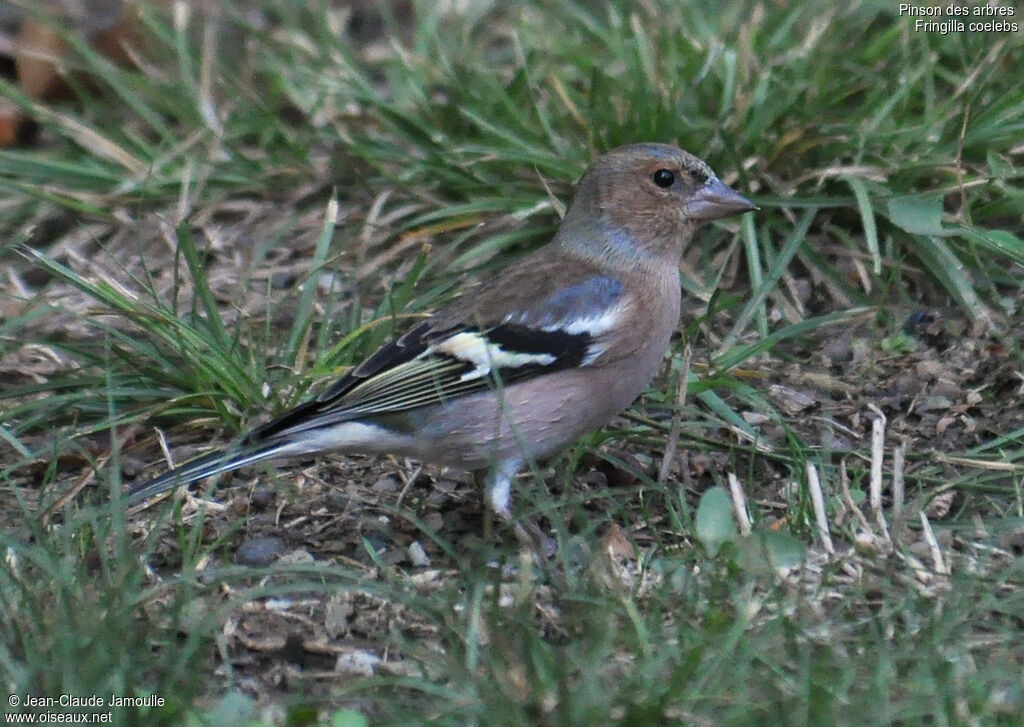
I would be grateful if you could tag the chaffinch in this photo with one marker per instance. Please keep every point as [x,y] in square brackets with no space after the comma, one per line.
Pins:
[528,360]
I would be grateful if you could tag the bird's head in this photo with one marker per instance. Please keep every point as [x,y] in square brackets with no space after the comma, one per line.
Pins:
[645,200]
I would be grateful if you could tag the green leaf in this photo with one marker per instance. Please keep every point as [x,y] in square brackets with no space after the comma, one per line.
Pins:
[766,551]
[770,281]
[203,291]
[947,268]
[1000,242]
[736,356]
[867,215]
[715,523]
[917,215]
[349,718]
[234,708]
[998,166]
[304,313]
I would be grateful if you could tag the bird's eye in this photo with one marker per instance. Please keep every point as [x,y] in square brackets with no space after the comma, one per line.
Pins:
[664,178]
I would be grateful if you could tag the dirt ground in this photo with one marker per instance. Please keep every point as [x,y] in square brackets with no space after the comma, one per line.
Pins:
[946,385]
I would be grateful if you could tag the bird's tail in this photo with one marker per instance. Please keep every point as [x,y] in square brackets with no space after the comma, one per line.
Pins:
[215,463]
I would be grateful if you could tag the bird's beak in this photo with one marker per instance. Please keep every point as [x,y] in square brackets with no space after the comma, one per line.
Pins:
[714,200]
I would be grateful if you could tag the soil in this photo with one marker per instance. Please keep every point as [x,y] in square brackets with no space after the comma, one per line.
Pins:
[946,386]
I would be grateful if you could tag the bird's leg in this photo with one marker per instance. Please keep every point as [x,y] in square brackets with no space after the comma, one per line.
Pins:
[498,491]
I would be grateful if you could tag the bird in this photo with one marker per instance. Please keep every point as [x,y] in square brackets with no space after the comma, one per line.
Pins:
[526,360]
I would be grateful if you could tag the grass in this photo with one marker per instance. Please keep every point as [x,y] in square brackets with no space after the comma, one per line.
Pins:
[203,241]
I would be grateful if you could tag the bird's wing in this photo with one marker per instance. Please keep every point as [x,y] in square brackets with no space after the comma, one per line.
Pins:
[474,346]
[495,336]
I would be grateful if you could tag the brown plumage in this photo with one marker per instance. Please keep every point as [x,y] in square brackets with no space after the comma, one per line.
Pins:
[531,357]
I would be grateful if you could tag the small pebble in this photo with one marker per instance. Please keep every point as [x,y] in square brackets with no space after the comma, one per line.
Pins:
[377,540]
[446,485]
[262,498]
[417,555]
[337,500]
[260,551]
[282,279]
[297,557]
[434,521]
[385,485]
